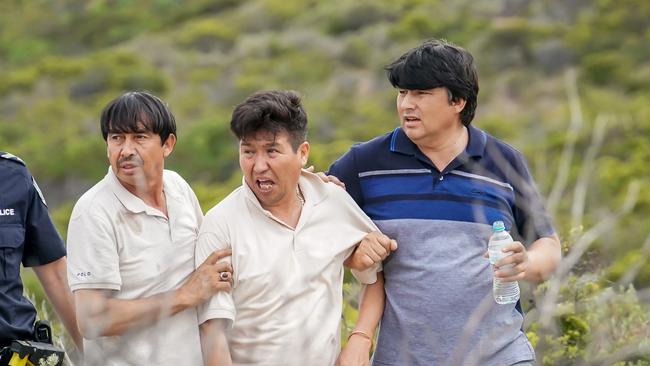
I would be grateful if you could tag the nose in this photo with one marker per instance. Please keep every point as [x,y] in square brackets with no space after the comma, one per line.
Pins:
[405,101]
[128,148]
[259,163]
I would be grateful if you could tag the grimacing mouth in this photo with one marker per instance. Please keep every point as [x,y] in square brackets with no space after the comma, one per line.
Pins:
[264,184]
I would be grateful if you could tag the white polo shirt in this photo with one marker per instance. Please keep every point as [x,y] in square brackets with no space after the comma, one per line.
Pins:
[117,242]
[287,297]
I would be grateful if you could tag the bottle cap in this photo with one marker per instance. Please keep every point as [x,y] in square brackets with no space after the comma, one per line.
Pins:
[498,226]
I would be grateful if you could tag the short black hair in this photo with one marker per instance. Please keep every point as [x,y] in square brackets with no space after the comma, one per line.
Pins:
[273,111]
[436,63]
[133,110]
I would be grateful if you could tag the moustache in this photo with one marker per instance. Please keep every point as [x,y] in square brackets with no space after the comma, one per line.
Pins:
[130,159]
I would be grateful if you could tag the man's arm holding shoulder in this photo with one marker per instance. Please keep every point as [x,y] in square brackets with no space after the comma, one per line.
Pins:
[100,314]
[53,278]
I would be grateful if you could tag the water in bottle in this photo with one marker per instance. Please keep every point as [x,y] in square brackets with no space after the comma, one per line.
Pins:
[504,292]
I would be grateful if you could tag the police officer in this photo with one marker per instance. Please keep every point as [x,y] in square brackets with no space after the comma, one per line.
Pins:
[27,235]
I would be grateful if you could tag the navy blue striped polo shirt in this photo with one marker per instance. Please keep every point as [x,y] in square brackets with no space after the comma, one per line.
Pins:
[439,307]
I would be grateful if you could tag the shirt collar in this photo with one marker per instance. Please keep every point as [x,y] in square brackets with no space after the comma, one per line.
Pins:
[312,188]
[400,143]
[130,201]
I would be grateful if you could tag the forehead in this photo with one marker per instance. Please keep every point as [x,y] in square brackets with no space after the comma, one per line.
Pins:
[266,138]
[130,127]
[424,89]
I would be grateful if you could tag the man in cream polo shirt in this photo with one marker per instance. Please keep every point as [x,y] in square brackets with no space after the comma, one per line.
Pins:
[290,234]
[131,242]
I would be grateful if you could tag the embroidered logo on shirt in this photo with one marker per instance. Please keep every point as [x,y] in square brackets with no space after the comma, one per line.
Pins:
[7,212]
[83,274]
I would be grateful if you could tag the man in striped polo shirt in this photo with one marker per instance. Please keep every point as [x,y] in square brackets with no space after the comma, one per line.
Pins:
[436,184]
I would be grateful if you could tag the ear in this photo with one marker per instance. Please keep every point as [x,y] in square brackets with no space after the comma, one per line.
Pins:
[168,145]
[303,150]
[458,104]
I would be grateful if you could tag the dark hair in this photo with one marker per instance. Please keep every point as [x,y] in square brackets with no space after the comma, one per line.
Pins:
[273,111]
[436,63]
[133,110]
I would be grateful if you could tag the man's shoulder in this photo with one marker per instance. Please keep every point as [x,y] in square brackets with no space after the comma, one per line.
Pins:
[175,180]
[502,160]
[12,165]
[95,199]
[499,148]
[172,176]
[332,191]
[378,144]
[226,208]
[363,154]
[5,156]
[331,198]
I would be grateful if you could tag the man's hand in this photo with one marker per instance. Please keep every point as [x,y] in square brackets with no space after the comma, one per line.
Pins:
[208,279]
[372,249]
[355,353]
[326,178]
[534,264]
[518,260]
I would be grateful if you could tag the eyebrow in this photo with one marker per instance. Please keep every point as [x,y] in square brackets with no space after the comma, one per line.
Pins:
[140,127]
[268,144]
[139,131]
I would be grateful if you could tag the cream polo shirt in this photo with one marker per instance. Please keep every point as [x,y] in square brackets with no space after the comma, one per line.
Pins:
[117,242]
[287,297]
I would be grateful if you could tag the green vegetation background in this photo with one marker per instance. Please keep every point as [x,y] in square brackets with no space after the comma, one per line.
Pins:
[62,61]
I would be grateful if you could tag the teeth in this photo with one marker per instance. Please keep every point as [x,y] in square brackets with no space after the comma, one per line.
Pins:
[266,185]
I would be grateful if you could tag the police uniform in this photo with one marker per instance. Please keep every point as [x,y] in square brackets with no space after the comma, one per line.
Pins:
[27,235]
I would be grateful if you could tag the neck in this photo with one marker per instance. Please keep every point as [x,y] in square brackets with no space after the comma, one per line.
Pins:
[443,148]
[289,211]
[151,192]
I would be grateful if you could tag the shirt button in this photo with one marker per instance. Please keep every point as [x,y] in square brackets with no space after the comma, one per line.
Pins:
[441,178]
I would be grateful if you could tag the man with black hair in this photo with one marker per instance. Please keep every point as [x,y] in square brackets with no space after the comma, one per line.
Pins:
[290,235]
[436,184]
[131,242]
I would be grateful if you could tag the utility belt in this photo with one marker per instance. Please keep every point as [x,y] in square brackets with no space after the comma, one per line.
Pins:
[39,352]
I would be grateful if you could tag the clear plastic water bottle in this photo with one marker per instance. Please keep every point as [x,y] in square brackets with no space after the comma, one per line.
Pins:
[504,292]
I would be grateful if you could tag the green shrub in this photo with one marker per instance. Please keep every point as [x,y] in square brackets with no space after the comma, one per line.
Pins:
[208,34]
[593,322]
[59,67]
[22,79]
[280,12]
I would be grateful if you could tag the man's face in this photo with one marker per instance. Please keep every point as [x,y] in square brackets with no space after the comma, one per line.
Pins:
[271,167]
[427,113]
[137,158]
